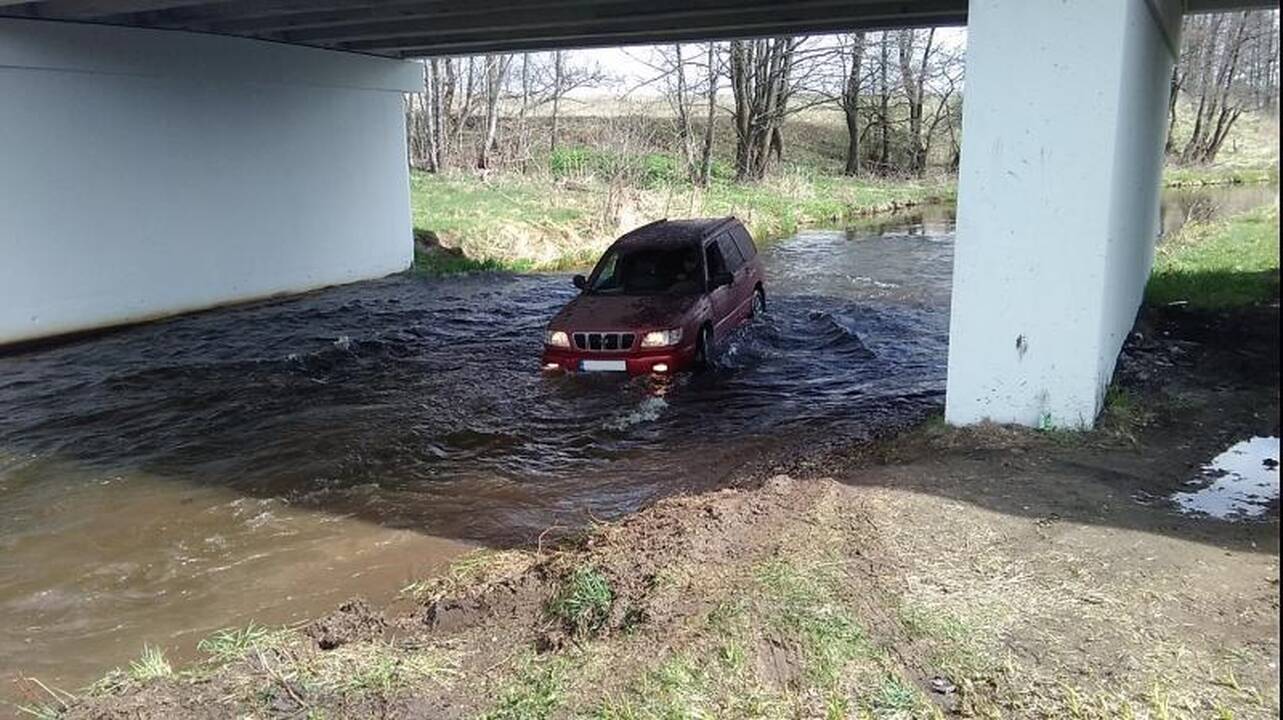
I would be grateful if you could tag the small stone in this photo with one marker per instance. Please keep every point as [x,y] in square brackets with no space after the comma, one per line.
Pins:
[943,685]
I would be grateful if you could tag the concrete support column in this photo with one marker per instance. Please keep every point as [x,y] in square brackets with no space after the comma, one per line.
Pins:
[149,172]
[1063,131]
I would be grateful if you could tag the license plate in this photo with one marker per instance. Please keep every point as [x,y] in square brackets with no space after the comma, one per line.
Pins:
[603,366]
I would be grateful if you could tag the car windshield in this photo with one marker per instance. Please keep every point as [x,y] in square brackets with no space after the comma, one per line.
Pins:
[648,271]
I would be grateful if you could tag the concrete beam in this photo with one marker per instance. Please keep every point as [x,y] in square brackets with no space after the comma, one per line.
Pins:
[148,173]
[475,26]
[1063,127]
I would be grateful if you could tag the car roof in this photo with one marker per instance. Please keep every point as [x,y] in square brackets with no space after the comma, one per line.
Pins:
[672,233]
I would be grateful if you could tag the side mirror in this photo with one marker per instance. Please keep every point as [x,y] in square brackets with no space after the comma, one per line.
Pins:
[580,282]
[722,279]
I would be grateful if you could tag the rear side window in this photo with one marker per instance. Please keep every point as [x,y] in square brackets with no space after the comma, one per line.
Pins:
[745,244]
[714,260]
[730,251]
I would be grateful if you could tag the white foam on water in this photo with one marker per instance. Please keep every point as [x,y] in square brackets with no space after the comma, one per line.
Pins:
[648,411]
[860,279]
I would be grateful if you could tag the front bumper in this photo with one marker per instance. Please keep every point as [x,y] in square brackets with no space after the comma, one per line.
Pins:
[640,363]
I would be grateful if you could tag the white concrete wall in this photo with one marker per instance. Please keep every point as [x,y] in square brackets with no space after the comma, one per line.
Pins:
[1057,202]
[1152,41]
[145,173]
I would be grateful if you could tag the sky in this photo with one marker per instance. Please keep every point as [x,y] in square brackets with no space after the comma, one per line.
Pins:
[629,64]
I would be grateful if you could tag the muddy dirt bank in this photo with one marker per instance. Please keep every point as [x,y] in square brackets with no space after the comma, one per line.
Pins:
[991,572]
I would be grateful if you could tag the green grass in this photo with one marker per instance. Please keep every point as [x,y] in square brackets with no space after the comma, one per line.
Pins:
[1221,264]
[232,644]
[377,669]
[958,650]
[54,705]
[564,219]
[803,603]
[41,711]
[690,686]
[439,263]
[151,665]
[1201,175]
[802,196]
[469,572]
[583,602]
[535,693]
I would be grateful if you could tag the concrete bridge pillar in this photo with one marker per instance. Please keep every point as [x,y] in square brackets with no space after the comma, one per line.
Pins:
[149,172]
[1063,127]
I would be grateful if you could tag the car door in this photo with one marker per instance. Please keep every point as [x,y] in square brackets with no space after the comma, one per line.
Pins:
[721,299]
[752,264]
[742,288]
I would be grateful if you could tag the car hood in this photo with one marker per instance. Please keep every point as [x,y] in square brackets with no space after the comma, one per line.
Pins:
[623,312]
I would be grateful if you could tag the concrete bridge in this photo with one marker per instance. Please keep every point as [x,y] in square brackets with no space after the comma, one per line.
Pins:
[161,156]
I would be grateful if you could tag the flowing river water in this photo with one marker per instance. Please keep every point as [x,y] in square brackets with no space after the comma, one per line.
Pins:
[262,463]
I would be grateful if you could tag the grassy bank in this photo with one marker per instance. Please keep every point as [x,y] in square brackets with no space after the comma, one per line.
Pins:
[1220,174]
[521,223]
[560,221]
[1219,264]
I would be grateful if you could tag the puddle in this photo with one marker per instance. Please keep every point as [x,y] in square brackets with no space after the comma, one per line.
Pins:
[1238,484]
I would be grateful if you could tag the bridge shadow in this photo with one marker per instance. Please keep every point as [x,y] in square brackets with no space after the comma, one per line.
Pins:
[1189,385]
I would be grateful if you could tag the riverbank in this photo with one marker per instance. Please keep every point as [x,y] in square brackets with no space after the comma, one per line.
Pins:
[548,222]
[1221,263]
[518,223]
[987,572]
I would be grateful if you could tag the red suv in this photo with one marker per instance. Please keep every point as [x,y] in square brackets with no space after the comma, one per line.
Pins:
[661,299]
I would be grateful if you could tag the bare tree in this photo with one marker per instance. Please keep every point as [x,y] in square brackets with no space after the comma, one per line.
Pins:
[1228,64]
[688,80]
[761,83]
[496,74]
[850,100]
[913,80]
[680,102]
[710,118]
[564,79]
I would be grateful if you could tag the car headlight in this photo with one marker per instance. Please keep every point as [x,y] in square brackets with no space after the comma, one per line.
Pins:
[661,338]
[556,338]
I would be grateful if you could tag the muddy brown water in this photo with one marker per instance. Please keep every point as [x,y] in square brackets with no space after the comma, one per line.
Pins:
[1181,205]
[262,463]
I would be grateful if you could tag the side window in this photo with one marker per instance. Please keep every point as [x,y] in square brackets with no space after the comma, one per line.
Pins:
[734,261]
[714,261]
[745,243]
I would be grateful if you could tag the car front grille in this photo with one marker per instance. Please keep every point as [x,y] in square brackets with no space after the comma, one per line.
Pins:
[605,341]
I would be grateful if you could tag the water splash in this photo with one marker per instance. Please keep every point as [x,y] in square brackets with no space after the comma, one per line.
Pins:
[648,411]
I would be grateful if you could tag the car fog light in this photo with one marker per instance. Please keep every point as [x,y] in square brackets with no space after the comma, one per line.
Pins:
[660,367]
[551,366]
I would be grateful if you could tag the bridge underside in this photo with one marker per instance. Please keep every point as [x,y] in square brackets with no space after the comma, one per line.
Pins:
[148,172]
[408,28]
